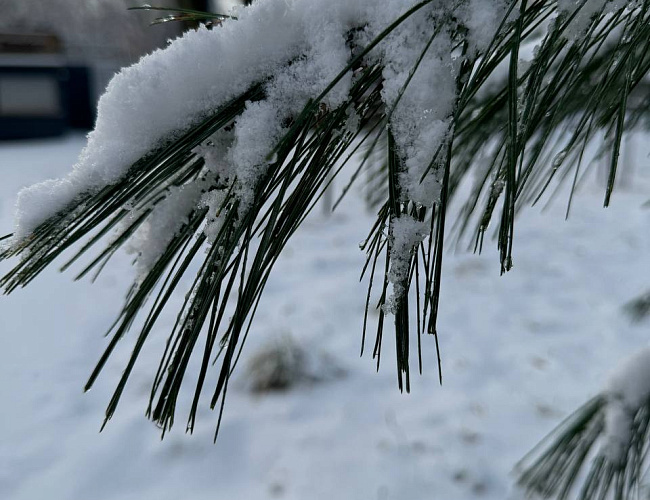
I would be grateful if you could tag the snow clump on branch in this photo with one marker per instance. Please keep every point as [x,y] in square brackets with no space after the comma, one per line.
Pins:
[628,389]
[294,49]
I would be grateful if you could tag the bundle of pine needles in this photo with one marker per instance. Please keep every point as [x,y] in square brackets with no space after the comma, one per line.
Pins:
[522,127]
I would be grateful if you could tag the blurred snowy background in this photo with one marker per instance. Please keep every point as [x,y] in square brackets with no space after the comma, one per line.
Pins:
[519,352]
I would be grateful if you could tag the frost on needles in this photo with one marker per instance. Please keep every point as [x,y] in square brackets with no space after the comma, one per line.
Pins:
[294,49]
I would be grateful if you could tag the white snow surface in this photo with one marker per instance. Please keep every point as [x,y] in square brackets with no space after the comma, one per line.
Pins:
[519,351]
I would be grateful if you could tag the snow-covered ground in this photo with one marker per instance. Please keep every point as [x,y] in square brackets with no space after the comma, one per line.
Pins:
[519,353]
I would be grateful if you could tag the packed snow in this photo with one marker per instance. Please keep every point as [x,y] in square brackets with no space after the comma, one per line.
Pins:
[520,352]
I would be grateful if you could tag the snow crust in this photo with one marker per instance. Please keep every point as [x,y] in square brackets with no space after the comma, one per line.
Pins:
[627,390]
[297,48]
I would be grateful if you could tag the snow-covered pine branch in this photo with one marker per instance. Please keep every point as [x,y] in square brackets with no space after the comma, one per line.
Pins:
[608,436]
[216,148]
[295,50]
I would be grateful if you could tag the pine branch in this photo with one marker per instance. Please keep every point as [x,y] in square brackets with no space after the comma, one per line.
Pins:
[183,15]
[576,459]
[505,124]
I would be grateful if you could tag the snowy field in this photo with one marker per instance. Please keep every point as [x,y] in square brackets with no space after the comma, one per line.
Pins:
[519,353]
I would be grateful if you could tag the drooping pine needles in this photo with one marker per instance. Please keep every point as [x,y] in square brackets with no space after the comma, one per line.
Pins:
[573,461]
[520,126]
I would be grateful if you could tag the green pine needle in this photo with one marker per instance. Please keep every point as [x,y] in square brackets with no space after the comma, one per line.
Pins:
[523,131]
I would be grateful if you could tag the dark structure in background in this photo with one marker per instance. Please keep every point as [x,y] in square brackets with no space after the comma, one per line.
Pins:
[43,94]
[33,87]
[49,85]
